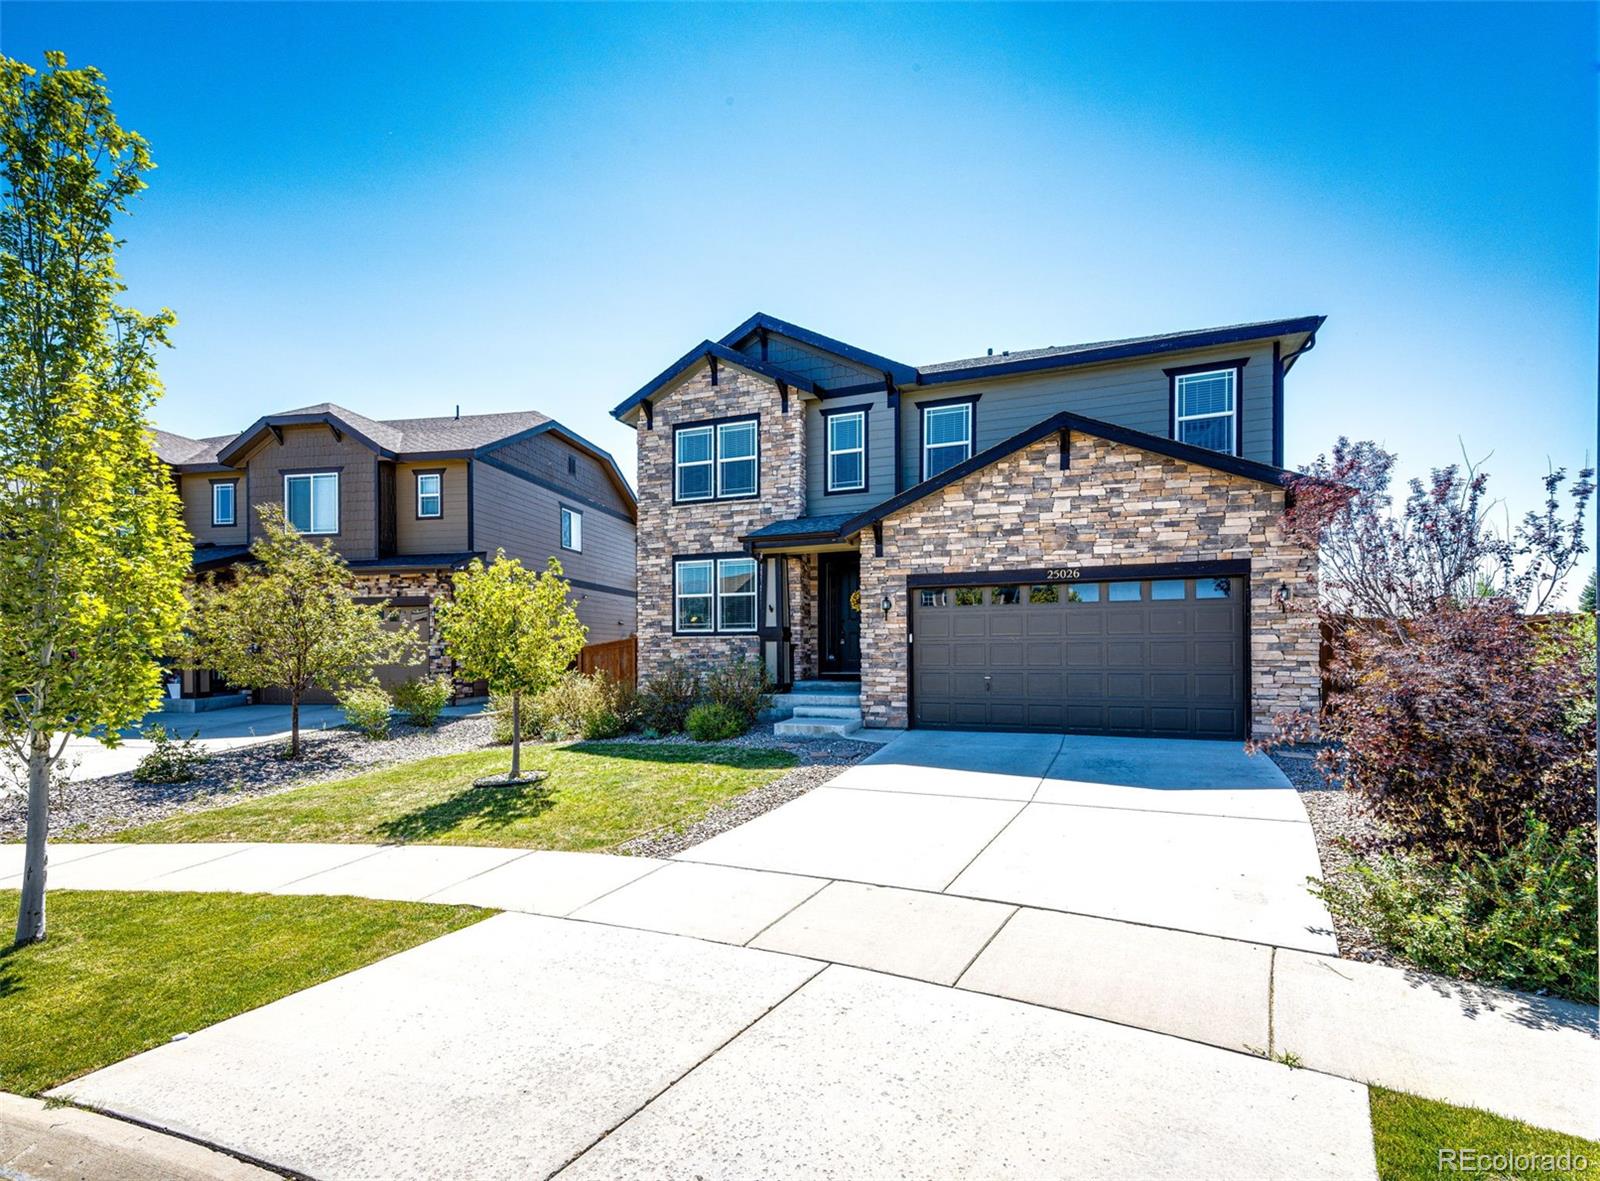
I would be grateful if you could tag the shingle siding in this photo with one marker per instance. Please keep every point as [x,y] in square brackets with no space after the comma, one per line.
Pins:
[441,535]
[195,491]
[313,448]
[545,457]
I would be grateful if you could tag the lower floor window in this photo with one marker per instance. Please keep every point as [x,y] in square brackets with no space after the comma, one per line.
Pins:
[714,595]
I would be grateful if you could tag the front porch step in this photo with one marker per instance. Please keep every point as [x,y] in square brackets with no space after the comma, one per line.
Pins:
[835,688]
[817,727]
[815,700]
[843,712]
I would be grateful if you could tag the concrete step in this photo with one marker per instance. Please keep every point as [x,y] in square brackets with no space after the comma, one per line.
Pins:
[816,728]
[838,713]
[799,700]
[847,688]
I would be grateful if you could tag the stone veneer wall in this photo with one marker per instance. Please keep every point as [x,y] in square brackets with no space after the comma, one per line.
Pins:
[667,530]
[1115,504]
[803,614]
[434,585]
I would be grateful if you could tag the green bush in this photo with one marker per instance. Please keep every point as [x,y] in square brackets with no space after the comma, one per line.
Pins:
[500,718]
[714,722]
[583,706]
[366,707]
[667,698]
[171,760]
[741,686]
[422,699]
[1525,918]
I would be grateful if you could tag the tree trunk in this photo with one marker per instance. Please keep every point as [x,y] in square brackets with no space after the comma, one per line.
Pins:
[294,724]
[516,736]
[30,915]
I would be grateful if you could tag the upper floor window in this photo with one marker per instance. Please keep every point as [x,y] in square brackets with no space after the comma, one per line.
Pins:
[847,450]
[1205,409]
[224,506]
[311,501]
[571,529]
[430,494]
[946,437]
[716,461]
[714,595]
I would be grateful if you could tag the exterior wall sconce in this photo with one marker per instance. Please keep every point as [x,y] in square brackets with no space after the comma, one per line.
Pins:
[886,604]
[1282,595]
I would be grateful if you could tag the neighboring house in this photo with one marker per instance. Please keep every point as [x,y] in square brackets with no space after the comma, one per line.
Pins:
[1081,538]
[408,502]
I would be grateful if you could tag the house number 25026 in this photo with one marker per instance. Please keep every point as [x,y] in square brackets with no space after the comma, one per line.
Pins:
[1062,573]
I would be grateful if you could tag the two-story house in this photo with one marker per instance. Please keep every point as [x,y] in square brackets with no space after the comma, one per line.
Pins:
[1082,538]
[408,502]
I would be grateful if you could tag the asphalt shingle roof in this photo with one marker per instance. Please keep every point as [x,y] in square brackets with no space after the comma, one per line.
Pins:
[1068,350]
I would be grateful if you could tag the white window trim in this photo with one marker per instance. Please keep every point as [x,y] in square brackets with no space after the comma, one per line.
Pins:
[1232,415]
[678,596]
[831,451]
[233,503]
[678,464]
[754,458]
[753,594]
[575,532]
[311,502]
[966,409]
[437,494]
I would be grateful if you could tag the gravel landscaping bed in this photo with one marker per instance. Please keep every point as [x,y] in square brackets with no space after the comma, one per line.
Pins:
[820,760]
[1335,820]
[95,807]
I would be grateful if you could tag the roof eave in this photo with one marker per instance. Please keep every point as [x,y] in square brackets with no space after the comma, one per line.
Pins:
[702,351]
[899,370]
[248,437]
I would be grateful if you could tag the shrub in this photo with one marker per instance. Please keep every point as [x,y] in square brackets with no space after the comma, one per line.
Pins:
[588,707]
[715,722]
[422,699]
[500,718]
[667,697]
[170,760]
[741,686]
[366,707]
[1525,919]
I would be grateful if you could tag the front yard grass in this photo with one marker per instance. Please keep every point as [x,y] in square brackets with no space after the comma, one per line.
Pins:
[1408,1132]
[121,972]
[596,795]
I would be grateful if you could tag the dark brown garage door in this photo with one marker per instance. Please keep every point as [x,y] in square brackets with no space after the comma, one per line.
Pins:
[1162,657]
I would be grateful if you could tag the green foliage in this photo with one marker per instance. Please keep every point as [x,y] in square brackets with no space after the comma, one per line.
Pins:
[715,722]
[1586,596]
[741,686]
[666,698]
[367,708]
[92,548]
[580,706]
[171,759]
[1525,919]
[291,619]
[422,699]
[500,719]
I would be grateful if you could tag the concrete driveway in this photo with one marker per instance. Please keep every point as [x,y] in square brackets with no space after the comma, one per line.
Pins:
[1196,836]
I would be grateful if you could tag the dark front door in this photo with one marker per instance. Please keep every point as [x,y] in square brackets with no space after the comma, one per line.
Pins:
[838,579]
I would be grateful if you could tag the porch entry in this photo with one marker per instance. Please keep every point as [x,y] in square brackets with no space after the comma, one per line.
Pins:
[839,615]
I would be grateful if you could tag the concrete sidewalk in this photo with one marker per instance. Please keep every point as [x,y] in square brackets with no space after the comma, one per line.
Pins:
[1531,1058]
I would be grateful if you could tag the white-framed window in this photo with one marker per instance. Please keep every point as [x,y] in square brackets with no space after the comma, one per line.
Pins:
[946,437]
[1205,409]
[847,451]
[714,595]
[694,462]
[224,504]
[311,501]
[694,598]
[736,459]
[430,494]
[571,529]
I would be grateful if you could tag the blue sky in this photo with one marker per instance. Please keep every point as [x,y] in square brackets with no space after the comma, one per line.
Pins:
[403,208]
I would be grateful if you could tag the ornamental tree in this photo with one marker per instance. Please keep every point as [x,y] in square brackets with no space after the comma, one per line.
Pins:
[290,619]
[92,547]
[514,628]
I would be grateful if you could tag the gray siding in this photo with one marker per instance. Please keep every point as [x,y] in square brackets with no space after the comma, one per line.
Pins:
[434,535]
[524,519]
[880,455]
[804,361]
[1131,394]
[546,456]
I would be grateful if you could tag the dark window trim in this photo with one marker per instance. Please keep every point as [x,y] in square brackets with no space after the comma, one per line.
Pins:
[233,524]
[283,487]
[416,493]
[716,458]
[865,410]
[716,559]
[1237,365]
[577,512]
[922,429]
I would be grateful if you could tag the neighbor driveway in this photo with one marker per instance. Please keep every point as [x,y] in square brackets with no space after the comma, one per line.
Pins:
[1197,836]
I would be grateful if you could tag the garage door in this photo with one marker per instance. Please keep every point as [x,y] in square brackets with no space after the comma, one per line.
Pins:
[1151,657]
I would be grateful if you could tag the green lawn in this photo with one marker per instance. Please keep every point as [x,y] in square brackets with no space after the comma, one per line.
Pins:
[1408,1133]
[122,972]
[597,795]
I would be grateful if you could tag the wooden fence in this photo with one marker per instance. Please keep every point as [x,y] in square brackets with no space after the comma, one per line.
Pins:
[618,659]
